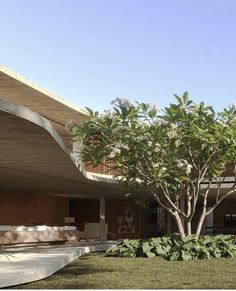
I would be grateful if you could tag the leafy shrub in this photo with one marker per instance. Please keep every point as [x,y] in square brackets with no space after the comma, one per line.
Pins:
[173,248]
[206,247]
[128,248]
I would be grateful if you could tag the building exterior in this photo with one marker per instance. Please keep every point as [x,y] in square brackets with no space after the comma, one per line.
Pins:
[43,182]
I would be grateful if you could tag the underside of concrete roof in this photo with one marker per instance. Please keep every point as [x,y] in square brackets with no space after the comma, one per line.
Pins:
[34,158]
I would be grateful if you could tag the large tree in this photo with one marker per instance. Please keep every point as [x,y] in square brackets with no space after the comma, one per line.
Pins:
[169,152]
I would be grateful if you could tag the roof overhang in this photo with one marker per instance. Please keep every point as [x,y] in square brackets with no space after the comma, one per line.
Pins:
[21,91]
[34,158]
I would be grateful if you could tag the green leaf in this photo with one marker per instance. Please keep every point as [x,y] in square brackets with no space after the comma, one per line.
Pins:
[89,111]
[178,99]
[174,256]
[146,247]
[186,256]
[185,97]
[150,254]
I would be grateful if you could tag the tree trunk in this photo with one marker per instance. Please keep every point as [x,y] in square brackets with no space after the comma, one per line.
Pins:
[189,219]
[189,227]
[201,220]
[200,223]
[179,225]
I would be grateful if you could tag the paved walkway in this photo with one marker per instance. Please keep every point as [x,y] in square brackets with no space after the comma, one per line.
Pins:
[27,264]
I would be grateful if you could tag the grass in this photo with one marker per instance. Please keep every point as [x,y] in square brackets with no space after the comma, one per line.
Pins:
[96,271]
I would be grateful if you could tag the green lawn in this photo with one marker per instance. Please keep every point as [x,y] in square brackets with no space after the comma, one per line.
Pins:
[95,271]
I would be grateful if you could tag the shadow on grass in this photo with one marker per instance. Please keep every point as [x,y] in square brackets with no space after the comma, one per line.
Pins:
[65,279]
[54,284]
[81,270]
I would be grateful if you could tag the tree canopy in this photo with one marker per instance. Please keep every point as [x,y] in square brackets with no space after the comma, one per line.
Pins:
[170,151]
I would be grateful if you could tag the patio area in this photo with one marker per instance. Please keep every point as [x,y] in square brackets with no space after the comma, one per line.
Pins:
[30,263]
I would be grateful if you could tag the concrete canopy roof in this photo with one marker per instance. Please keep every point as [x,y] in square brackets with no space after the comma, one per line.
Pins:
[34,158]
[22,91]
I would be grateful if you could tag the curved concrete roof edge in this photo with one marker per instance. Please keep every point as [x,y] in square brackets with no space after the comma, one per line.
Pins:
[31,116]
[36,87]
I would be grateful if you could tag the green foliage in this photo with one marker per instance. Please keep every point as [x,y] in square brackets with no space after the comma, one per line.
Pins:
[125,132]
[128,248]
[169,153]
[166,149]
[173,248]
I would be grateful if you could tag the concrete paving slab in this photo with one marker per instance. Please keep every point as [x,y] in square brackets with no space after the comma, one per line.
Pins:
[27,264]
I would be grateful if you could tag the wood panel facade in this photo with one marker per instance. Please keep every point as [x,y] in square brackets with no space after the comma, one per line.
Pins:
[225,208]
[29,209]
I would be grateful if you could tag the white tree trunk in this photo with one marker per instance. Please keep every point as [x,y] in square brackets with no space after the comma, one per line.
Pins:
[200,222]
[189,227]
[189,219]
[179,225]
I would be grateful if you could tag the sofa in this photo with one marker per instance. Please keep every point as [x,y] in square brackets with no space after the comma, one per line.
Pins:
[31,234]
[92,230]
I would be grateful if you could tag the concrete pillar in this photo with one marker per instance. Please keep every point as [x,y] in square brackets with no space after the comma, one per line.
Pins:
[103,237]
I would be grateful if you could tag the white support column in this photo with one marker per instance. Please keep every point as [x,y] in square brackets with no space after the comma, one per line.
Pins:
[102,219]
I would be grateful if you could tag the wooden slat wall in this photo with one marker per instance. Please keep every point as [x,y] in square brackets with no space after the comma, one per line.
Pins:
[226,207]
[100,169]
[28,209]
[229,172]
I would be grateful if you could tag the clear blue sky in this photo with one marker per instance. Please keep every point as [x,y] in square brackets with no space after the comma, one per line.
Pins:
[91,51]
